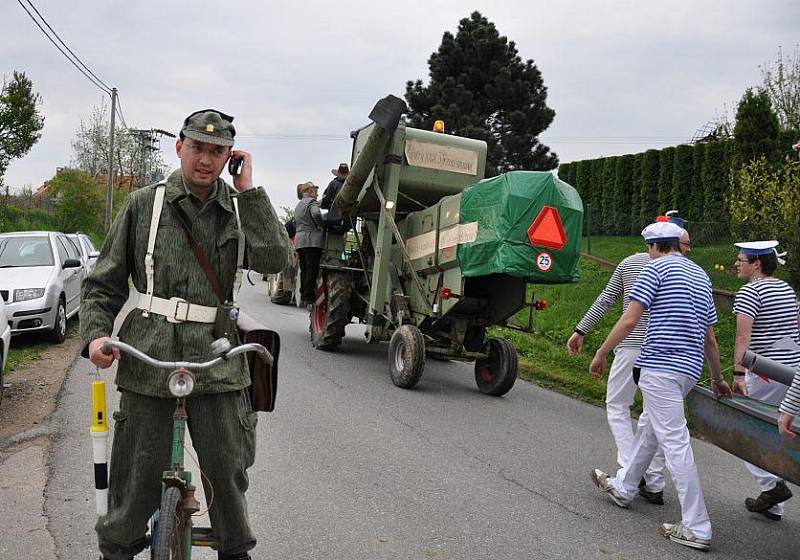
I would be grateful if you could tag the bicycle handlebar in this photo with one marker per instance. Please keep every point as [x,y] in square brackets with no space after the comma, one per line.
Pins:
[242,348]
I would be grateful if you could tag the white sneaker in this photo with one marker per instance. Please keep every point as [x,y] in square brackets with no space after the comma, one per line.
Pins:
[681,535]
[603,482]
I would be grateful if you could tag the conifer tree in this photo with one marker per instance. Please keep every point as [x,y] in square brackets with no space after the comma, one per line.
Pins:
[482,89]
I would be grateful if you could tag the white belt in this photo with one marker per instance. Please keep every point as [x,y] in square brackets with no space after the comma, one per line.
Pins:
[177,310]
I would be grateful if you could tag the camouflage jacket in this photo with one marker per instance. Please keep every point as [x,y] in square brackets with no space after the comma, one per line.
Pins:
[177,274]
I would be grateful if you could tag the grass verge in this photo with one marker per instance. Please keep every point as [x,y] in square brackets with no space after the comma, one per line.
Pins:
[28,348]
[716,259]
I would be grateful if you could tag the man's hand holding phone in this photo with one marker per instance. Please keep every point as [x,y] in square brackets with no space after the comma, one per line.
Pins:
[243,180]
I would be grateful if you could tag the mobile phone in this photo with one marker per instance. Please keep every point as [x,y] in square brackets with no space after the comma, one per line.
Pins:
[235,165]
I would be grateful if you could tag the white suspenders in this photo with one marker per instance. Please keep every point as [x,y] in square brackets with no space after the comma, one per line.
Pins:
[178,310]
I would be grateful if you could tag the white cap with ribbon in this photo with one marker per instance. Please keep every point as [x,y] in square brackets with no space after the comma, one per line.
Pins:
[761,248]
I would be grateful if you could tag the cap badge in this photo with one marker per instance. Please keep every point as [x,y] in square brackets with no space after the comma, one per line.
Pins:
[209,128]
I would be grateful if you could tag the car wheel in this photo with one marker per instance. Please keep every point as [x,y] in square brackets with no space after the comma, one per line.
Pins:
[59,331]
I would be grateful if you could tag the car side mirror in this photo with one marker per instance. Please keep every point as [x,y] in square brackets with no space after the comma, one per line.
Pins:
[94,254]
[71,263]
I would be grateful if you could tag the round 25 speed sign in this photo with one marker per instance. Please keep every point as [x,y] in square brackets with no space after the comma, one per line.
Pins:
[544,262]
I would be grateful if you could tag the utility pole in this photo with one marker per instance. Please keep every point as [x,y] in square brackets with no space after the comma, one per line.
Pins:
[110,191]
[149,144]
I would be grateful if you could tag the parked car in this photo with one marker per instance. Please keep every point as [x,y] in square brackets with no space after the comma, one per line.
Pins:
[86,249]
[5,344]
[40,281]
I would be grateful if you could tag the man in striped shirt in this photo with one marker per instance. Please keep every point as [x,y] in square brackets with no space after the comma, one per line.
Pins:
[621,387]
[677,294]
[766,312]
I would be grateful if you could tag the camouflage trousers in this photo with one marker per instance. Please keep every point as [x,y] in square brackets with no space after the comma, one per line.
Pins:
[223,431]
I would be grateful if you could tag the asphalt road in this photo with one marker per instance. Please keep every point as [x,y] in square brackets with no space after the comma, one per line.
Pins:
[351,467]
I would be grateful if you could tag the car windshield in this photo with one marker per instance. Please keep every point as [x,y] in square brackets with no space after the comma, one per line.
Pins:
[25,251]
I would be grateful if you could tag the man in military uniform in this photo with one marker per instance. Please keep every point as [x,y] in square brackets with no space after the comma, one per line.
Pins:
[175,321]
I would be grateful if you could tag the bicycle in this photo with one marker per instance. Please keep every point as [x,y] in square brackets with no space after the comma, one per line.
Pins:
[172,535]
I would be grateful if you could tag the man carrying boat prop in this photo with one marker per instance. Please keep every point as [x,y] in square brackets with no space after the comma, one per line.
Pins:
[767,317]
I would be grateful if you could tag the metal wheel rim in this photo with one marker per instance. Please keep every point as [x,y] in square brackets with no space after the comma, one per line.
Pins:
[62,320]
[320,310]
[399,356]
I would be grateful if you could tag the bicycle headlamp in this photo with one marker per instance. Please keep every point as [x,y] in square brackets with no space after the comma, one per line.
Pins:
[180,383]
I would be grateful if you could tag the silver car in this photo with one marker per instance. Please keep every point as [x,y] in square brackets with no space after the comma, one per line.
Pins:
[40,281]
[5,344]
[86,249]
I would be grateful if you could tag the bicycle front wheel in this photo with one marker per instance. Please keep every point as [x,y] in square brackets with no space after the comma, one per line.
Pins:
[169,534]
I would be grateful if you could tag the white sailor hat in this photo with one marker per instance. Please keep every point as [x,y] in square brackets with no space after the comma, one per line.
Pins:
[761,248]
[662,231]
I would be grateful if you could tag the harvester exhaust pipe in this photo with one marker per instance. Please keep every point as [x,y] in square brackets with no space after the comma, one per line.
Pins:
[386,116]
[761,365]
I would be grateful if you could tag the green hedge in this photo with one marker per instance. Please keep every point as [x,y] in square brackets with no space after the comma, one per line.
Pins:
[665,165]
[627,192]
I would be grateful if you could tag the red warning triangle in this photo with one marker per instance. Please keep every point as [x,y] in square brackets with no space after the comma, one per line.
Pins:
[547,230]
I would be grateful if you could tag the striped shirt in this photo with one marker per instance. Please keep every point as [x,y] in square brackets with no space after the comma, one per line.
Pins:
[619,287]
[677,293]
[772,304]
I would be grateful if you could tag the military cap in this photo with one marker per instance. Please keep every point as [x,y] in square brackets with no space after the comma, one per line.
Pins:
[210,126]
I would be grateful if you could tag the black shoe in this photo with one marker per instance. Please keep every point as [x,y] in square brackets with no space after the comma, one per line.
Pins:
[656,498]
[766,500]
[240,556]
[769,515]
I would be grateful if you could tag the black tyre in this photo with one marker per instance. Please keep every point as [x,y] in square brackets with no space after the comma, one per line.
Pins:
[496,374]
[59,331]
[406,356]
[2,387]
[169,533]
[330,313]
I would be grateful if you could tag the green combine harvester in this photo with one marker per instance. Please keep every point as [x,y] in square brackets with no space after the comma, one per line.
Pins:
[439,253]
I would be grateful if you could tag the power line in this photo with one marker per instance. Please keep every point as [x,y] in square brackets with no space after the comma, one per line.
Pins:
[30,3]
[119,112]
[87,73]
[546,140]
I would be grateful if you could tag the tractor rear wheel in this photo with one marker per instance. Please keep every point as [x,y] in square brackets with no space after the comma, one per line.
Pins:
[496,374]
[330,313]
[406,356]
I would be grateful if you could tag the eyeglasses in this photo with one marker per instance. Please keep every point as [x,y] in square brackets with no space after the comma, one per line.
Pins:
[745,260]
[686,244]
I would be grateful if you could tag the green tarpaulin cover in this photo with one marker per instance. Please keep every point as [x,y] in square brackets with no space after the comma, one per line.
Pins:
[505,208]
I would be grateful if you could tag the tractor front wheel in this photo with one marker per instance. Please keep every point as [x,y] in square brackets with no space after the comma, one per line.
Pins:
[496,374]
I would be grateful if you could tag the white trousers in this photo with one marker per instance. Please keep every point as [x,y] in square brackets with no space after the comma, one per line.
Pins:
[663,424]
[620,393]
[771,392]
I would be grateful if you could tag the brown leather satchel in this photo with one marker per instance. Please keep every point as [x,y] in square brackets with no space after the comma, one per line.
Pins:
[263,377]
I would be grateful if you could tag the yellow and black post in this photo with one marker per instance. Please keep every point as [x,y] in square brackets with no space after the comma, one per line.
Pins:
[99,432]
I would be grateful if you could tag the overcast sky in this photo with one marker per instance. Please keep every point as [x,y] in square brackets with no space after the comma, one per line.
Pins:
[622,76]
